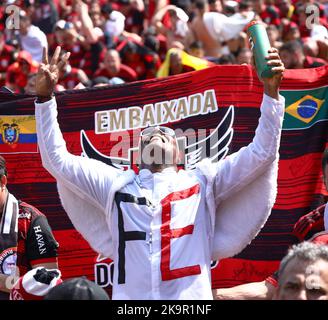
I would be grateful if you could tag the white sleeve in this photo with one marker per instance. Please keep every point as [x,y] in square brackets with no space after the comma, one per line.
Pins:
[244,166]
[89,178]
[43,43]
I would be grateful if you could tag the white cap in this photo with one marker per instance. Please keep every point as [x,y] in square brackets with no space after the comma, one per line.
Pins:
[60,24]
[182,15]
[231,3]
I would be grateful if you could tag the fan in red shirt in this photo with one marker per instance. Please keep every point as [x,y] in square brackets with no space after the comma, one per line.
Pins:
[305,16]
[140,58]
[134,12]
[112,67]
[293,57]
[18,72]
[6,58]
[290,31]
[70,77]
[25,244]
[70,40]
[270,14]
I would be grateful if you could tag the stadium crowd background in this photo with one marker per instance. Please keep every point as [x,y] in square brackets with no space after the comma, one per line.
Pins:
[113,42]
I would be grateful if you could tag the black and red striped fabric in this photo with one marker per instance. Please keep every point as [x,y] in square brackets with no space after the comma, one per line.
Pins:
[300,187]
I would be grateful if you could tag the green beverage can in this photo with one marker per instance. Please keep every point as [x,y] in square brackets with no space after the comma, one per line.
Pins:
[260,45]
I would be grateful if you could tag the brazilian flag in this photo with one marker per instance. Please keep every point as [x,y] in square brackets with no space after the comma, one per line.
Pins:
[304,108]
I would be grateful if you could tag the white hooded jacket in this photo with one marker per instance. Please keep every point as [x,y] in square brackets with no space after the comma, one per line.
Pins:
[163,229]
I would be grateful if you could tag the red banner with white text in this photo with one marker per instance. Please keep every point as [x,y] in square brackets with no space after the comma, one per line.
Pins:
[104,123]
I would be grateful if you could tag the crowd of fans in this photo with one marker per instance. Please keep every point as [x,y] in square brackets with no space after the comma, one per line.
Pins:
[113,42]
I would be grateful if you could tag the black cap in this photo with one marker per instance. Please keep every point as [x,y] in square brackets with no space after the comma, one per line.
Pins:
[107,8]
[77,289]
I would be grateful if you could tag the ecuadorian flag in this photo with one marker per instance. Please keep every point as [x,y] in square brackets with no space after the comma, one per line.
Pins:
[18,134]
[305,108]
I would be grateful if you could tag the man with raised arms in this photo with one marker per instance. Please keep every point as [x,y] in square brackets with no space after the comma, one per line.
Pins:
[163,226]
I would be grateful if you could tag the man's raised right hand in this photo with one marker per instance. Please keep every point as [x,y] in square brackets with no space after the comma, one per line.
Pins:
[48,73]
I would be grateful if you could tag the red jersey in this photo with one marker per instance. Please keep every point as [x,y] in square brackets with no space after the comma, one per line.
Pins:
[311,62]
[77,54]
[86,65]
[35,243]
[134,20]
[6,59]
[315,221]
[271,15]
[126,73]
[70,79]
[85,59]
[152,4]
[17,77]
[144,61]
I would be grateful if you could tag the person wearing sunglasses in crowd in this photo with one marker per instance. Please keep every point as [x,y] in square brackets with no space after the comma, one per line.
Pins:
[162,226]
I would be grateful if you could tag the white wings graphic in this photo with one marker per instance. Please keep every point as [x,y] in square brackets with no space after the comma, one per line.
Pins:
[215,146]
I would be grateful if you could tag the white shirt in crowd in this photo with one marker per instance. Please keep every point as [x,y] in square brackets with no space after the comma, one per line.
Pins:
[116,23]
[33,42]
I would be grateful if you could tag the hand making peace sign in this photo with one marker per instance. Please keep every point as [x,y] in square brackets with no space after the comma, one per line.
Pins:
[48,73]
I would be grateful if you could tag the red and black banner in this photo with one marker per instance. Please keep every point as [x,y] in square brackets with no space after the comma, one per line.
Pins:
[96,121]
